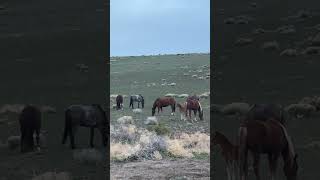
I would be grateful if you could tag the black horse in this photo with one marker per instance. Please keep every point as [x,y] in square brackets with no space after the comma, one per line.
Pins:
[30,123]
[136,98]
[91,116]
[119,100]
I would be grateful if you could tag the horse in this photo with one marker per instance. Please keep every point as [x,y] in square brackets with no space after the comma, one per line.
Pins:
[194,105]
[164,102]
[119,100]
[230,153]
[136,98]
[264,112]
[30,123]
[266,137]
[183,110]
[91,116]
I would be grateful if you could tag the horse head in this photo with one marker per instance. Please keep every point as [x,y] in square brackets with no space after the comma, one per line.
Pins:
[291,168]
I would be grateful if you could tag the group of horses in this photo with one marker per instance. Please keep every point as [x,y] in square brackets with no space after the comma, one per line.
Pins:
[90,116]
[192,104]
[261,131]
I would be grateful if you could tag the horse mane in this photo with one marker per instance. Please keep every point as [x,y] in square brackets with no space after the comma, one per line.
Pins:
[155,103]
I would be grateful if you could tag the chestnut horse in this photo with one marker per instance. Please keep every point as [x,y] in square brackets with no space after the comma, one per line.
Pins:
[229,152]
[194,105]
[164,102]
[30,123]
[119,101]
[266,137]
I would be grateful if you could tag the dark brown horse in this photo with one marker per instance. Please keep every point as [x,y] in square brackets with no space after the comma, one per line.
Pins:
[194,105]
[91,116]
[266,137]
[30,123]
[164,102]
[229,152]
[119,101]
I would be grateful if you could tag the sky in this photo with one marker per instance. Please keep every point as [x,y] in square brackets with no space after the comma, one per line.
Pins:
[149,27]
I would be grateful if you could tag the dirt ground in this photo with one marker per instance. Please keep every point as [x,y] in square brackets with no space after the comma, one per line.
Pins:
[247,73]
[164,169]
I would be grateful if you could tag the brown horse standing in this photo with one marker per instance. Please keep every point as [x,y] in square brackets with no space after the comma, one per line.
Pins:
[183,110]
[119,101]
[266,137]
[30,123]
[194,105]
[229,152]
[164,102]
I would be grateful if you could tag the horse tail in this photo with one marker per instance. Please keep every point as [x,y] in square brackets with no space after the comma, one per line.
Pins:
[243,132]
[67,126]
[142,101]
[174,107]
[290,144]
[131,101]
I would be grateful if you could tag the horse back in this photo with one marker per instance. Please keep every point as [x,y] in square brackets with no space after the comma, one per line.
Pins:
[265,137]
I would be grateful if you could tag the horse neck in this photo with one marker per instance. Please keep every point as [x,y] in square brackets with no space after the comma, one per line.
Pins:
[155,104]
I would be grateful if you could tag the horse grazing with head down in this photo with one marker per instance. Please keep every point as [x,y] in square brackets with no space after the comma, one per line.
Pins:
[164,102]
[194,105]
[91,116]
[119,101]
[30,123]
[136,98]
[266,137]
[230,154]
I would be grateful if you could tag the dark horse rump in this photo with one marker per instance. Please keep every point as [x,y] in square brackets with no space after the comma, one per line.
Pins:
[266,137]
[119,100]
[30,123]
[91,116]
[264,112]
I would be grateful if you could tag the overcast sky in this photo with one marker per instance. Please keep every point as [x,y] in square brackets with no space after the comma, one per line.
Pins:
[145,27]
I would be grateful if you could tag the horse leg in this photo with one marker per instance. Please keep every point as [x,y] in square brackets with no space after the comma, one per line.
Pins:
[158,110]
[38,138]
[138,104]
[256,157]
[91,136]
[228,172]
[195,115]
[71,132]
[273,162]
[243,154]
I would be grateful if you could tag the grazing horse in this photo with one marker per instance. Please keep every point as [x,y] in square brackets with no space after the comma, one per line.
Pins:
[30,123]
[194,105]
[183,110]
[91,116]
[136,98]
[266,111]
[164,102]
[229,152]
[119,100]
[266,137]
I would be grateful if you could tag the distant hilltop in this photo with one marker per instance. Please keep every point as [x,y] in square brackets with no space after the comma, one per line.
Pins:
[178,54]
